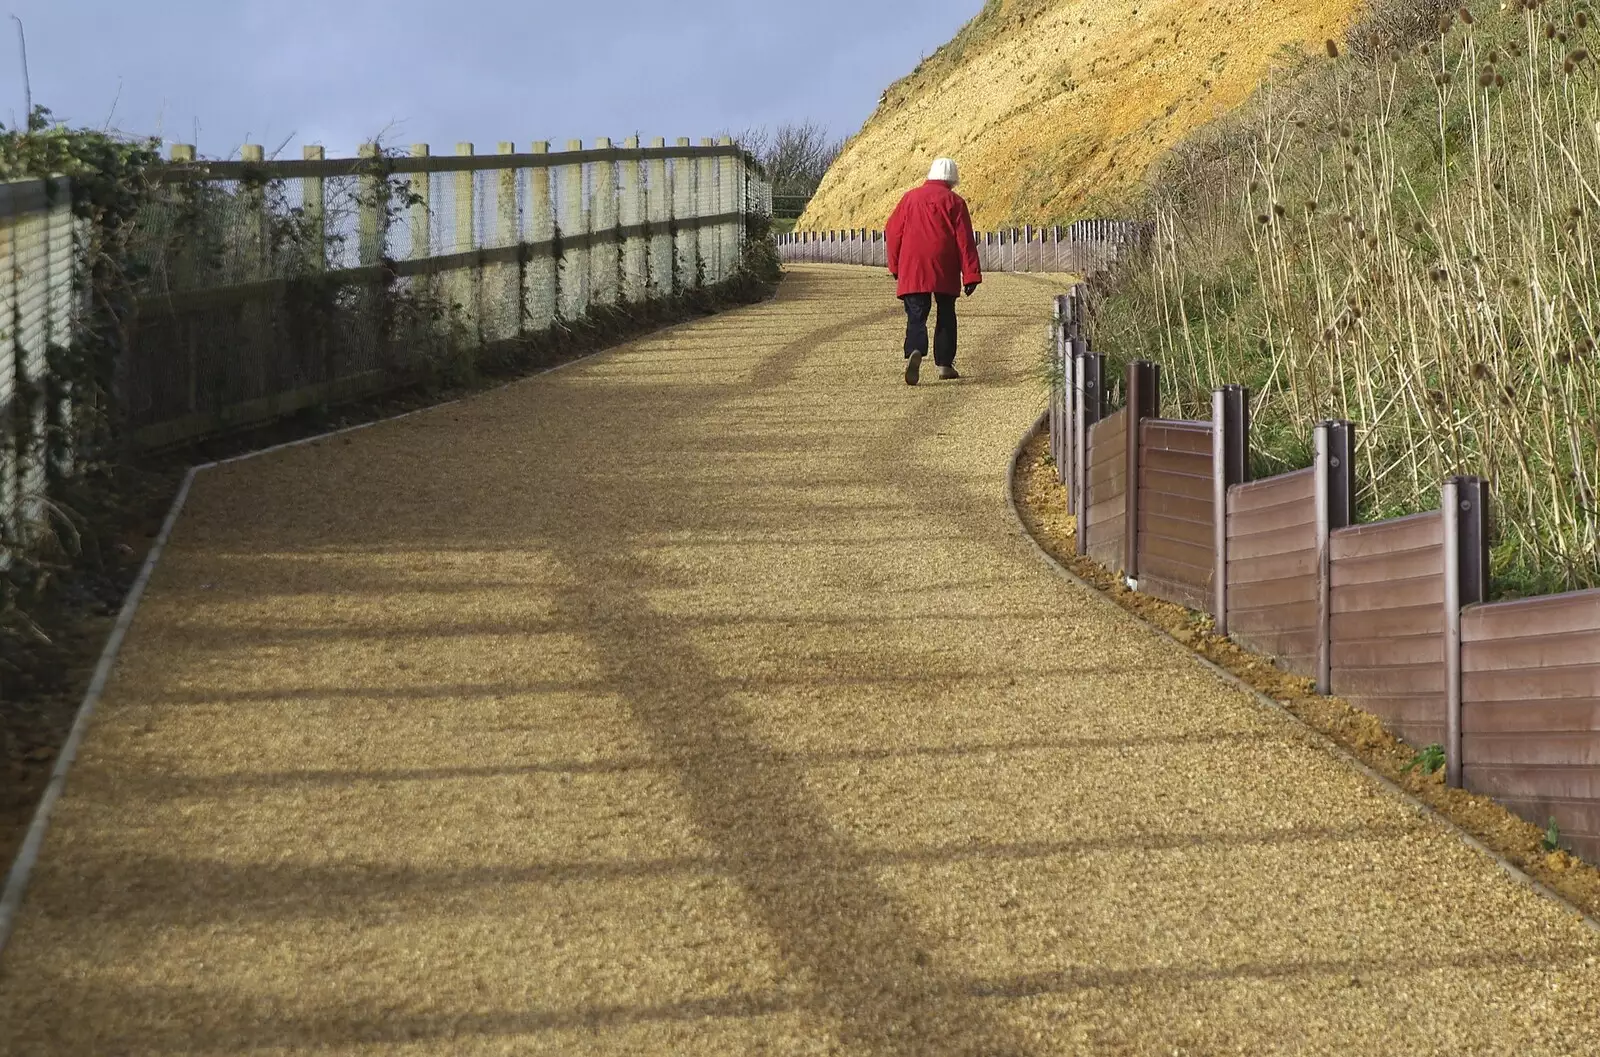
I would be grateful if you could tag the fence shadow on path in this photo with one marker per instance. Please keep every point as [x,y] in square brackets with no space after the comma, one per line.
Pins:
[698,698]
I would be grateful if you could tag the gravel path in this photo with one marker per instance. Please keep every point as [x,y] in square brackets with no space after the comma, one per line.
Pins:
[701,698]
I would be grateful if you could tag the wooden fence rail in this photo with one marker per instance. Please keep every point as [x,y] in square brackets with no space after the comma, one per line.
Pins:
[1390,615]
[1082,248]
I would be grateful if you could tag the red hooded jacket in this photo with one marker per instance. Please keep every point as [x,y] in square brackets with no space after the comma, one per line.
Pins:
[929,241]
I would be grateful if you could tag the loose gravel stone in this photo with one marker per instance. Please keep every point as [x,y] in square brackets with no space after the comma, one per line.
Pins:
[703,698]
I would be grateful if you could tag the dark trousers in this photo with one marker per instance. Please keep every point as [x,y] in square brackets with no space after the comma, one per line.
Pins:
[944,327]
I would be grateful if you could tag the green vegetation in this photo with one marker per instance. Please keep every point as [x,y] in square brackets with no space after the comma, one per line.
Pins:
[1552,837]
[1402,233]
[794,157]
[1429,759]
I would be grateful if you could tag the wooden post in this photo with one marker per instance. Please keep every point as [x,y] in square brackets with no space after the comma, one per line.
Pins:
[374,210]
[574,255]
[1230,465]
[507,216]
[11,372]
[710,255]
[605,262]
[252,264]
[28,281]
[421,208]
[466,239]
[539,271]
[502,299]
[1088,390]
[685,206]
[253,199]
[314,207]
[631,215]
[728,183]
[658,210]
[463,282]
[1465,509]
[61,283]
[182,266]
[1334,444]
[1144,401]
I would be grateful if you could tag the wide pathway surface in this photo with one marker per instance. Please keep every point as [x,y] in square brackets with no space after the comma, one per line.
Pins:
[702,698]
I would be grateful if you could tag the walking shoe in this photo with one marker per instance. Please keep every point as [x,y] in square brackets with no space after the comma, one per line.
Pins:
[949,372]
[913,367]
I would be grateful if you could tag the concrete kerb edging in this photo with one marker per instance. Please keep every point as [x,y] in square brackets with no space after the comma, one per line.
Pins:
[1311,734]
[28,854]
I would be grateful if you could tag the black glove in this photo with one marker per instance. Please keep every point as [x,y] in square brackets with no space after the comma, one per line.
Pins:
[969,288]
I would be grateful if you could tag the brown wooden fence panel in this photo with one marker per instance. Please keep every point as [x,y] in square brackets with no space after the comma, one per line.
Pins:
[1387,624]
[1106,509]
[1530,711]
[1273,567]
[1176,539]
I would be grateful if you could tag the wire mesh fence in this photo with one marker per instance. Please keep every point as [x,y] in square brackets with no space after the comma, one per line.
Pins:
[271,286]
[38,290]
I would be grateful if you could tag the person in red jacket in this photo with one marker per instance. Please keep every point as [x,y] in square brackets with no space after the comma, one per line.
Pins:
[932,257]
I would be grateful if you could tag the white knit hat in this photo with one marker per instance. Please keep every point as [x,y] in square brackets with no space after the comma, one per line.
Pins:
[945,169]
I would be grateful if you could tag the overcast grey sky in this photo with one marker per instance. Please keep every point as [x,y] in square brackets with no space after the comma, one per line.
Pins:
[337,72]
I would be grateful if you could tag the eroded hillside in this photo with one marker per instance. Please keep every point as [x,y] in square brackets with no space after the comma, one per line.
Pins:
[1053,106]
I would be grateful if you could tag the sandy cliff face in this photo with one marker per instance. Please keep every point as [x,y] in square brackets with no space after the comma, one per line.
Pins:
[1054,106]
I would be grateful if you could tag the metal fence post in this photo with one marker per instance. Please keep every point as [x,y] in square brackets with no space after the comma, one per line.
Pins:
[1144,401]
[1335,483]
[1058,384]
[1088,393]
[1230,465]
[1072,346]
[1465,509]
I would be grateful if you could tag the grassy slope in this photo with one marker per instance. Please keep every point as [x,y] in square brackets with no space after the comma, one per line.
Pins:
[1053,106]
[1409,244]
